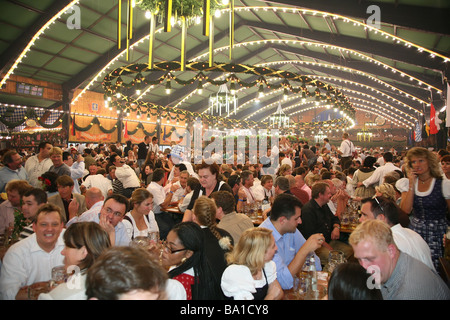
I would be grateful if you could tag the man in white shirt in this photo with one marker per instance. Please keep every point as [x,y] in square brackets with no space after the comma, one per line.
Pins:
[38,164]
[99,181]
[161,200]
[247,183]
[407,240]
[31,260]
[76,169]
[378,175]
[126,175]
[94,202]
[285,160]
[345,150]
[181,191]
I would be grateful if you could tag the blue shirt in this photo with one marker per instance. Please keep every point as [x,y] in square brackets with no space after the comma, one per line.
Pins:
[288,246]
[6,175]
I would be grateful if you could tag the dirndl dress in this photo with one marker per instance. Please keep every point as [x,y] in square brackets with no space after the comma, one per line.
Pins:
[430,220]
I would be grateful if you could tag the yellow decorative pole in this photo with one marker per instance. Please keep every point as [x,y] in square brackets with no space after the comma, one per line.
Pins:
[211,41]
[231,28]
[151,39]
[206,15]
[119,24]
[128,28]
[168,16]
[183,42]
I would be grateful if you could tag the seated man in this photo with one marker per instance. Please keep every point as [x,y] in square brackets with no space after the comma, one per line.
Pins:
[32,201]
[126,175]
[161,201]
[398,275]
[407,240]
[318,218]
[293,248]
[245,192]
[110,217]
[234,223]
[58,167]
[12,169]
[94,203]
[65,196]
[99,181]
[181,191]
[31,260]
[14,191]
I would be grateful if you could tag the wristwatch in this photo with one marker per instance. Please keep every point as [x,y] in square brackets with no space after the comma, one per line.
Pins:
[337,226]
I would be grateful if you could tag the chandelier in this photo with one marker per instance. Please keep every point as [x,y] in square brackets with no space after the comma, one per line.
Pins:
[279,118]
[364,134]
[223,99]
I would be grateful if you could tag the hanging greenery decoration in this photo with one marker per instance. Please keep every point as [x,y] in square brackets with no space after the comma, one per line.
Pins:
[186,8]
[116,91]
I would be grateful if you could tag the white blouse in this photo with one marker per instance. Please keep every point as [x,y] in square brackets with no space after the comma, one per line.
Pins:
[132,229]
[237,280]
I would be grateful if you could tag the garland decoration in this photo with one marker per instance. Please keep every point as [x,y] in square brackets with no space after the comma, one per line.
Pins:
[116,90]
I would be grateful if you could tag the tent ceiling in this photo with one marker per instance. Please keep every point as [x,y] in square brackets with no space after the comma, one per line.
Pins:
[364,64]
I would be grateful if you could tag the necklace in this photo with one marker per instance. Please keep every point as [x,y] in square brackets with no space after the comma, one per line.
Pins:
[424,181]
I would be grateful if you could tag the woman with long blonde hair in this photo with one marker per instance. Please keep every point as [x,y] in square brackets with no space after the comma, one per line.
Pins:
[251,274]
[428,198]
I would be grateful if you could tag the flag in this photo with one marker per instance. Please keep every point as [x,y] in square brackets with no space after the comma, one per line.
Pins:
[418,132]
[125,131]
[433,127]
[424,127]
[447,124]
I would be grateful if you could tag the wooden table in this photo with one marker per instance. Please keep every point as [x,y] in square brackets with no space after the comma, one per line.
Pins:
[322,281]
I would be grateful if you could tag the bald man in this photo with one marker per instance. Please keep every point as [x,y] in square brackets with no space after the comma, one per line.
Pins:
[94,201]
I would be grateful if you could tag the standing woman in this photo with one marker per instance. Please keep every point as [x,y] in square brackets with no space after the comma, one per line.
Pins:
[140,221]
[428,198]
[84,243]
[251,274]
[184,254]
[209,177]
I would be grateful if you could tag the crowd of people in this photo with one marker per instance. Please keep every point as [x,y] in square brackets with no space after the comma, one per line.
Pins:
[83,206]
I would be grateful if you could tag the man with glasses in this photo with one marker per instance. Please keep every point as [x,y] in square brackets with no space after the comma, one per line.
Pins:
[407,240]
[110,218]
